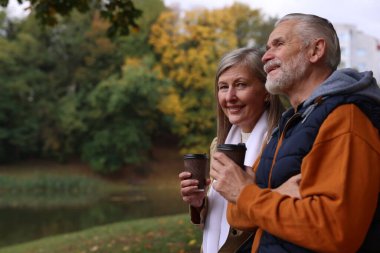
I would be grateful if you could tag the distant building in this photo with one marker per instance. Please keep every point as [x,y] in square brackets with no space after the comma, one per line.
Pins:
[359,50]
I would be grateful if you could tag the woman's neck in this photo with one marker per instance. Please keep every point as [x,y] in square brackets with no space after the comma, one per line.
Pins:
[244,136]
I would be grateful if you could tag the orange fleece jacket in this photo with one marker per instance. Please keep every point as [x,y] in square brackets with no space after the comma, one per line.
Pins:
[339,188]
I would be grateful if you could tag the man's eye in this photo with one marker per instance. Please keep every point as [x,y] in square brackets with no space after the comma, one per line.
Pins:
[279,43]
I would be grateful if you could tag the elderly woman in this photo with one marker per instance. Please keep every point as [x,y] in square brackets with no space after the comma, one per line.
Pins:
[246,113]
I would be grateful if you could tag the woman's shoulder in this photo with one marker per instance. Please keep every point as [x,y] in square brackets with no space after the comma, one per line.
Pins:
[213,145]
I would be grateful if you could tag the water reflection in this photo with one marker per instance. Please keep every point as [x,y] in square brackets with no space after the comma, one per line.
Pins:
[19,224]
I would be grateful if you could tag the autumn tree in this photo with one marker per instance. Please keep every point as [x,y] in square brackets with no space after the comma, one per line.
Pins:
[189,46]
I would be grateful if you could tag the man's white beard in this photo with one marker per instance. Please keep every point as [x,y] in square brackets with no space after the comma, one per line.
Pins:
[289,74]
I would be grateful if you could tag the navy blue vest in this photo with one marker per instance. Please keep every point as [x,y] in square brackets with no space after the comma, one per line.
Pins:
[301,129]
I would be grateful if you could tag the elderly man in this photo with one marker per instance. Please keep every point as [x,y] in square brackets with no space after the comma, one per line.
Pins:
[330,136]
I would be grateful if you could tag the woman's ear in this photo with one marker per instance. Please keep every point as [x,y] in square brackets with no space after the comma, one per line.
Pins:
[317,50]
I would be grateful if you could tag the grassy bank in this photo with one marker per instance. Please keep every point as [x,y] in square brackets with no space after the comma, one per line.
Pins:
[154,235]
[48,189]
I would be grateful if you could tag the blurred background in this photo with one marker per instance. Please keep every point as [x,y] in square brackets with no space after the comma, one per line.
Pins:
[99,100]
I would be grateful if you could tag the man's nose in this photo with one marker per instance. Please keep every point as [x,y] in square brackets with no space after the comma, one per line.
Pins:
[267,56]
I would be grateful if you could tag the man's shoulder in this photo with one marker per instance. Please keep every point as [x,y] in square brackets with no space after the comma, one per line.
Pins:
[348,119]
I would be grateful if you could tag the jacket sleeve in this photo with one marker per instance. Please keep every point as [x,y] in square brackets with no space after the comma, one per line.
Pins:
[339,188]
[238,219]
[198,216]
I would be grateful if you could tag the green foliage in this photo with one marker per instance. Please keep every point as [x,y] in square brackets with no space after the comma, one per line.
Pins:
[18,128]
[121,14]
[123,116]
[136,43]
[108,150]
[53,84]
[19,86]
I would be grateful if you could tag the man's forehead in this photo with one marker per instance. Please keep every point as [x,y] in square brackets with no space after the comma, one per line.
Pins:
[283,31]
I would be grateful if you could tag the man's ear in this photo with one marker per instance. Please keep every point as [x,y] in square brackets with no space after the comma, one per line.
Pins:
[317,50]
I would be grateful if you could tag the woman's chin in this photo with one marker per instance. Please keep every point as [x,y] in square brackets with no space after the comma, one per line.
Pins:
[235,121]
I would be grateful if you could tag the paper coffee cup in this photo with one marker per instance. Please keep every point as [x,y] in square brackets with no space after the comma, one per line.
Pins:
[235,152]
[197,165]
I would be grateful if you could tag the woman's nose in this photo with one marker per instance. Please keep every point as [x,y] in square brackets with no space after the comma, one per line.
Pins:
[231,94]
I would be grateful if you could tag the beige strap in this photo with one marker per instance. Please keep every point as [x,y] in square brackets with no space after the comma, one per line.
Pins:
[236,238]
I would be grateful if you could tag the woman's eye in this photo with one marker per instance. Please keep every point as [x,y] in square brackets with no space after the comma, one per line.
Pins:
[223,87]
[241,85]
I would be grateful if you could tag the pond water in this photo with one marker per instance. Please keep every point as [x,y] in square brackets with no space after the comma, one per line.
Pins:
[19,225]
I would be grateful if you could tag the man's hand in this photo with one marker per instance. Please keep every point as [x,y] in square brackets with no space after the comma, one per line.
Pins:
[230,179]
[189,190]
[291,187]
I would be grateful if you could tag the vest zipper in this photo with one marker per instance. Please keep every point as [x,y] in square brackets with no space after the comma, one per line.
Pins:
[288,124]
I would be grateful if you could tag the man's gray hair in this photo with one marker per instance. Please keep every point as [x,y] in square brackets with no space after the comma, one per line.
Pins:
[310,27]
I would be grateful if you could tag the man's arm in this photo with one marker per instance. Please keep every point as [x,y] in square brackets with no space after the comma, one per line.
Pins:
[238,219]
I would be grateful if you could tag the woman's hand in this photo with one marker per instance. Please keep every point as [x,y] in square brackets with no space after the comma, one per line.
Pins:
[189,190]
[291,187]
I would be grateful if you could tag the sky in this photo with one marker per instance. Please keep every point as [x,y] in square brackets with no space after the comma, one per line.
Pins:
[363,14]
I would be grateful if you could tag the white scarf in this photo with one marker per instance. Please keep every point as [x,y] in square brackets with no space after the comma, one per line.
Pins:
[216,228]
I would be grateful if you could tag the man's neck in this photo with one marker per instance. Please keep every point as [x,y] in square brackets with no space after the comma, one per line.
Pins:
[305,87]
